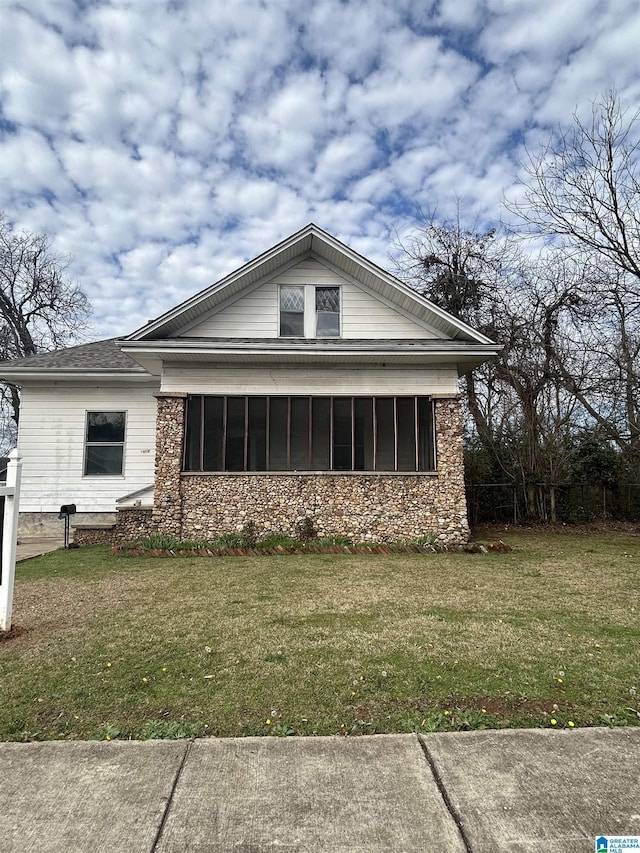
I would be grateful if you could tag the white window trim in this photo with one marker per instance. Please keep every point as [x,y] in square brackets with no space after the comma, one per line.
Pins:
[310,316]
[87,444]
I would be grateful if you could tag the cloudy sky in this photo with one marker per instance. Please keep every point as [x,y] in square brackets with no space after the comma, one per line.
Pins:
[162,143]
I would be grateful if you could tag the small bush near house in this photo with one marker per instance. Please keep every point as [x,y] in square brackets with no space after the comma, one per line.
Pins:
[248,539]
[306,530]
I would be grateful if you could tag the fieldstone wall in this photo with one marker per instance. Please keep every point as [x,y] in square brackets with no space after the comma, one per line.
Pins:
[167,503]
[130,523]
[370,507]
[134,522]
[94,535]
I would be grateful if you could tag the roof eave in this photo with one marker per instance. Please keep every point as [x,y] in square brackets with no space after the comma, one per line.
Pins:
[154,356]
[77,374]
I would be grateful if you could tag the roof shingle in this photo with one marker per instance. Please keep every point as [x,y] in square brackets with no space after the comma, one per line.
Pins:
[104,356]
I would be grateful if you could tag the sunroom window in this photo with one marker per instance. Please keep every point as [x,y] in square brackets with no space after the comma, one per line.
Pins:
[298,433]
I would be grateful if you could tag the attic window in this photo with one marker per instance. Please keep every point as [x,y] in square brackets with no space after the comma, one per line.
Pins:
[292,312]
[327,312]
[309,311]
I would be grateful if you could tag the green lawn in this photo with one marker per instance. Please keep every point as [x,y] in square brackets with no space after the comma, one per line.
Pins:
[117,646]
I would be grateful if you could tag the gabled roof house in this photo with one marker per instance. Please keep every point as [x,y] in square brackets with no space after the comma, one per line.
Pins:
[309,383]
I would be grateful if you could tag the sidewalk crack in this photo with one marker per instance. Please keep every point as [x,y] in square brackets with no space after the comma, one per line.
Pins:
[167,807]
[453,811]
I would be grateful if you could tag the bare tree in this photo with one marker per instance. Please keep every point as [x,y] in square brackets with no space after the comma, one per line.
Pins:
[40,309]
[457,267]
[463,270]
[583,190]
[521,413]
[584,185]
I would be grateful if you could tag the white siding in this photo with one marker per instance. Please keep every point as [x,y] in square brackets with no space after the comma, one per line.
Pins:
[51,444]
[437,381]
[255,315]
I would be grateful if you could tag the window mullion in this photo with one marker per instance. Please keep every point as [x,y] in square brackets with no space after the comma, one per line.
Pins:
[395,433]
[309,311]
[353,434]
[310,431]
[224,432]
[201,448]
[416,432]
[374,412]
[288,433]
[331,434]
[246,433]
[267,433]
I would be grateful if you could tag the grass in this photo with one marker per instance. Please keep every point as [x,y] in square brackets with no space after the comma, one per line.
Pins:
[118,646]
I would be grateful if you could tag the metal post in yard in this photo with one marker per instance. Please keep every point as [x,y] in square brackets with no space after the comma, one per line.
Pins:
[9,538]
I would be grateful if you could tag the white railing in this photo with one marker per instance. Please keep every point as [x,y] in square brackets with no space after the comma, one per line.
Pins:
[11,492]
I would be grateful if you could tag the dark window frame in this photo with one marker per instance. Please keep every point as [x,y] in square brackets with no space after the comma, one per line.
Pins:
[276,439]
[89,444]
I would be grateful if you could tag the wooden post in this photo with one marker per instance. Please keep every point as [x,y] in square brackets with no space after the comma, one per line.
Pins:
[9,538]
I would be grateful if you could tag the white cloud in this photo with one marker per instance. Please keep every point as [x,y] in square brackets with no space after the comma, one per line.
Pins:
[162,145]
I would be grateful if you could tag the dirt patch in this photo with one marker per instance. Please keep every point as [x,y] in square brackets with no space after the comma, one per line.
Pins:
[13,632]
[602,525]
[49,608]
[503,706]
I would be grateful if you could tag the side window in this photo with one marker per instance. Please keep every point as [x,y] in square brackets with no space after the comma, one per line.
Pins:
[104,443]
[291,312]
[327,312]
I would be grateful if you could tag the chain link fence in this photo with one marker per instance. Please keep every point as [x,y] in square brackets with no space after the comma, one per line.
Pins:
[572,503]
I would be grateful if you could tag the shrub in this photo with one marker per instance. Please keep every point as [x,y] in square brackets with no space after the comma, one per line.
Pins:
[155,542]
[249,534]
[427,539]
[305,529]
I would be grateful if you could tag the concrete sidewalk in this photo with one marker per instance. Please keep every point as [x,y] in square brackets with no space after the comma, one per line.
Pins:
[515,791]
[28,548]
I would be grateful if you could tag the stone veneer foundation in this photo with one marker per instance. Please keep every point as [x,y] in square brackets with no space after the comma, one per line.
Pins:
[364,506]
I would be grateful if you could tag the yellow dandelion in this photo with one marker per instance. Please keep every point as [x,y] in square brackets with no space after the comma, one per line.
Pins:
[145,680]
[268,722]
[107,737]
[553,722]
[108,664]
[571,724]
